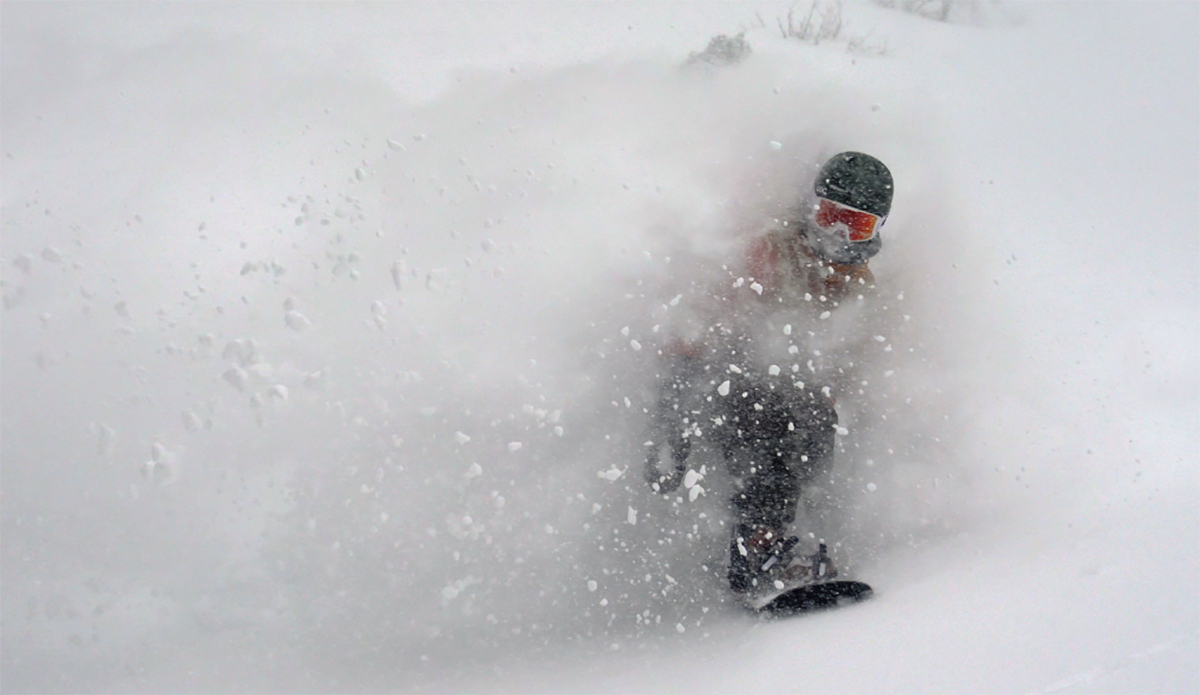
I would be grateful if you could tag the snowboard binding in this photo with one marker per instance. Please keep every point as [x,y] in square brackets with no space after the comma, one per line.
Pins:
[787,584]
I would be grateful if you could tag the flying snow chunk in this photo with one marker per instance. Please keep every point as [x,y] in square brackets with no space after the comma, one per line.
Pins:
[723,389]
[162,468]
[474,471]
[631,517]
[691,478]
[625,331]
[675,300]
[773,370]
[243,351]
[296,321]
[880,339]
[278,391]
[680,628]
[107,440]
[758,289]
[824,315]
[787,330]
[695,492]
[611,474]
[635,345]
[871,487]
[592,585]
[514,447]
[237,377]
[775,146]
[398,270]
[316,380]
[461,438]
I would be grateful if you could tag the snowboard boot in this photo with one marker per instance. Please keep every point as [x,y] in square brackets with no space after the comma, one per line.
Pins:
[758,558]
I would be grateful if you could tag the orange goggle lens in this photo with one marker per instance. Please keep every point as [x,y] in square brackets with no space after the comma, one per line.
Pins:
[860,226]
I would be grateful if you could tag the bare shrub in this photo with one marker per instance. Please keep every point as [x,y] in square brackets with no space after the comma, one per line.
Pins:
[822,22]
[955,11]
[929,9]
[723,50]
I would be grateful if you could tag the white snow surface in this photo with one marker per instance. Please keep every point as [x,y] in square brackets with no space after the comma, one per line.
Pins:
[477,214]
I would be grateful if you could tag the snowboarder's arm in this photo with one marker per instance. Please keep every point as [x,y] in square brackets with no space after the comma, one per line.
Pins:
[762,261]
[667,424]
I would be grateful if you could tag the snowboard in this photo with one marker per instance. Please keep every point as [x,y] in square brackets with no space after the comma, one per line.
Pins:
[821,589]
[812,597]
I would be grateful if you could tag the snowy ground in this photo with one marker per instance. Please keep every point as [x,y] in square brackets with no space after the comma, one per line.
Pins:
[318,364]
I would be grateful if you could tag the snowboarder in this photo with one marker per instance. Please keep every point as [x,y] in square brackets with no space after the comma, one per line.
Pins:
[720,374]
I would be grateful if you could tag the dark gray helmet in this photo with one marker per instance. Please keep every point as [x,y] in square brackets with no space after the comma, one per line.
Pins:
[858,180]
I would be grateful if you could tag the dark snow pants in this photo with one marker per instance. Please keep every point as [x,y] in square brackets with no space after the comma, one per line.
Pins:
[776,438]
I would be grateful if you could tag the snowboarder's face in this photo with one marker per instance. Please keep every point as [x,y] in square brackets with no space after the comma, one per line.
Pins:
[845,221]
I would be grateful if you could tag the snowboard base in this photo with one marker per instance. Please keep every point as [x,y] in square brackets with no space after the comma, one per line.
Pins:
[814,597]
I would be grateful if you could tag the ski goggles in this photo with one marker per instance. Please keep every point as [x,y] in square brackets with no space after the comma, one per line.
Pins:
[859,225]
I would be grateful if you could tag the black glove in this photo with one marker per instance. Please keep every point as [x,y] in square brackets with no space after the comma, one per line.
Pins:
[667,423]
[680,448]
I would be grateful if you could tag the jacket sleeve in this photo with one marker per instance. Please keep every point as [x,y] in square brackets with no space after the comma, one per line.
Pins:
[762,264]
[668,424]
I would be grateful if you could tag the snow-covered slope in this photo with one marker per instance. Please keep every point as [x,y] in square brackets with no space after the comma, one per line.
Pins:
[327,332]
